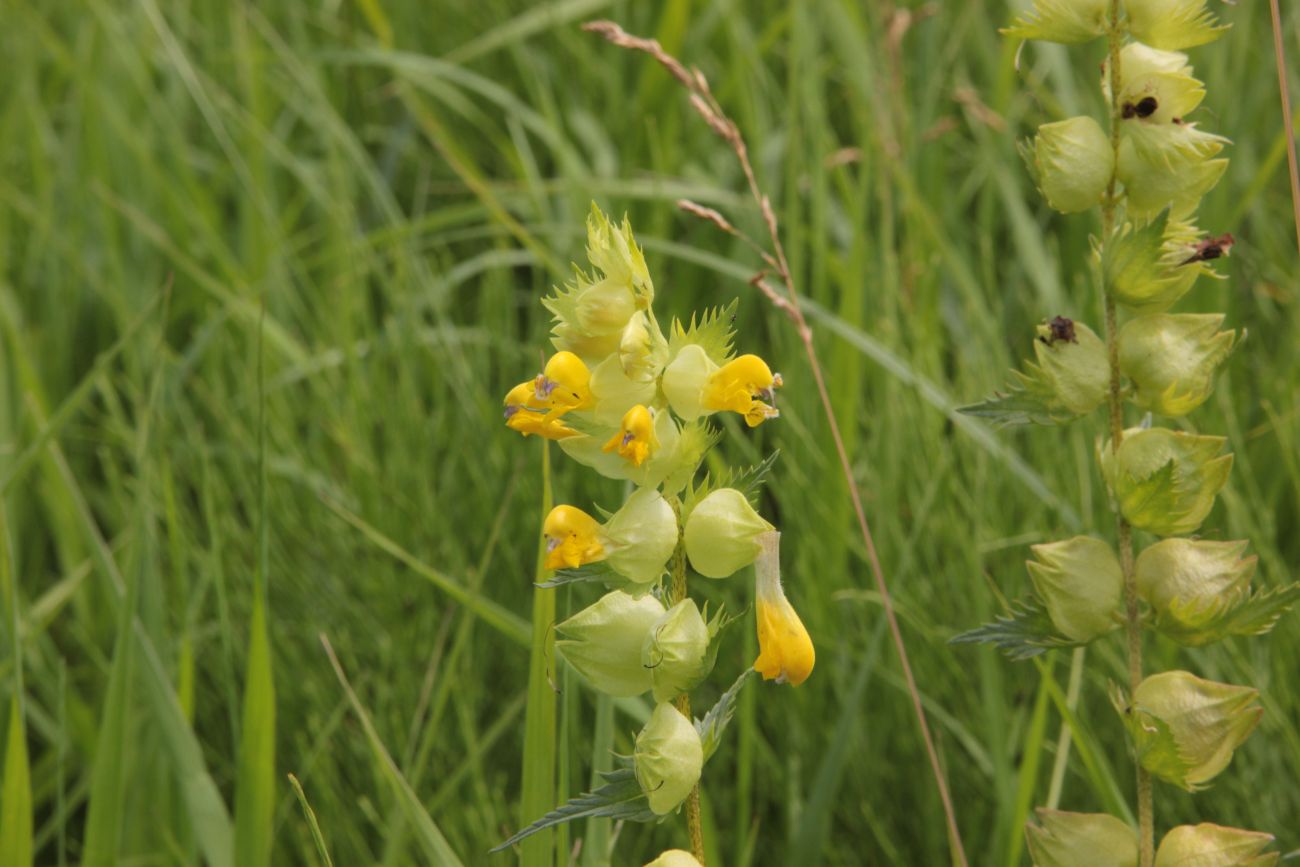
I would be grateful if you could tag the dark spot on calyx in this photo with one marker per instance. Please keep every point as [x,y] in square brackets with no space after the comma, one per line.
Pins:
[1060,329]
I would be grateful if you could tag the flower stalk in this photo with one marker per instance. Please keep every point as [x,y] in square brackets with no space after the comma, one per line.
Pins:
[1115,403]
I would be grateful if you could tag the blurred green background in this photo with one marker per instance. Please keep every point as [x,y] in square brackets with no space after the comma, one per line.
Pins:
[400,183]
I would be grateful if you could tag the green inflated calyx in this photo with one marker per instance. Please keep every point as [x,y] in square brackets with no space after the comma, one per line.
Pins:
[603,642]
[676,651]
[668,758]
[1073,161]
[1164,481]
[1207,845]
[722,533]
[1062,839]
[1172,358]
[1185,728]
[1080,584]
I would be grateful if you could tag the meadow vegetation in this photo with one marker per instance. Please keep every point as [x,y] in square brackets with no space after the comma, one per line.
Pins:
[267,270]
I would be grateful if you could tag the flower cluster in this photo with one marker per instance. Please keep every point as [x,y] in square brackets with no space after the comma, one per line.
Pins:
[1147,174]
[621,397]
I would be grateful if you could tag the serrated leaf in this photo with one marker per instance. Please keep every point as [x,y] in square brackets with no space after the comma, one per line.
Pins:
[712,331]
[1246,616]
[599,572]
[620,798]
[1024,631]
[750,480]
[714,723]
[1030,398]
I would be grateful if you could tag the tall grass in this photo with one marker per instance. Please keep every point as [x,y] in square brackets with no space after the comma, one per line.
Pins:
[400,181]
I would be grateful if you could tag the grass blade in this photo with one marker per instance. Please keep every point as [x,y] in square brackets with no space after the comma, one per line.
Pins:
[426,830]
[16,794]
[317,837]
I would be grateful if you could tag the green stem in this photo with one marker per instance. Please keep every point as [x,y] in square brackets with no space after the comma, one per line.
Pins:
[1133,620]
[676,593]
[540,715]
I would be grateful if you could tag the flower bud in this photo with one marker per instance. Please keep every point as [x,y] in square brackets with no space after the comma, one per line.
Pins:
[1207,845]
[603,642]
[1171,24]
[1080,584]
[1191,583]
[674,858]
[1062,839]
[1165,481]
[676,651]
[1074,161]
[641,536]
[1171,359]
[1075,368]
[785,651]
[591,314]
[722,533]
[1070,22]
[667,758]
[1186,728]
[642,349]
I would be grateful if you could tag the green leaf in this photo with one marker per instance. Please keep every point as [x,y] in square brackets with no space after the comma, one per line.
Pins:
[715,721]
[1025,631]
[599,572]
[712,331]
[748,481]
[620,798]
[1028,399]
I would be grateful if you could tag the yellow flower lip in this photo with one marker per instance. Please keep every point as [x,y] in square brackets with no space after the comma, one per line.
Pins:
[786,652]
[736,385]
[565,384]
[636,439]
[534,407]
[572,538]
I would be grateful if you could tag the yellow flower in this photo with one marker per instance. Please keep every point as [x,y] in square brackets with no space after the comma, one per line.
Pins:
[785,651]
[636,439]
[572,538]
[565,384]
[535,406]
[736,384]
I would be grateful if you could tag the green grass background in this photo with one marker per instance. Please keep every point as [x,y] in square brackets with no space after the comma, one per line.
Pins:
[399,183]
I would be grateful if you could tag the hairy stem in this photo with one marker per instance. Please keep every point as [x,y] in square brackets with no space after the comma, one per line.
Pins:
[1133,621]
[676,593]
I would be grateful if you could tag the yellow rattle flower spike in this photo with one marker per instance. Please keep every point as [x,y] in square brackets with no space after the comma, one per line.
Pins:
[786,652]
[736,385]
[636,439]
[572,538]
